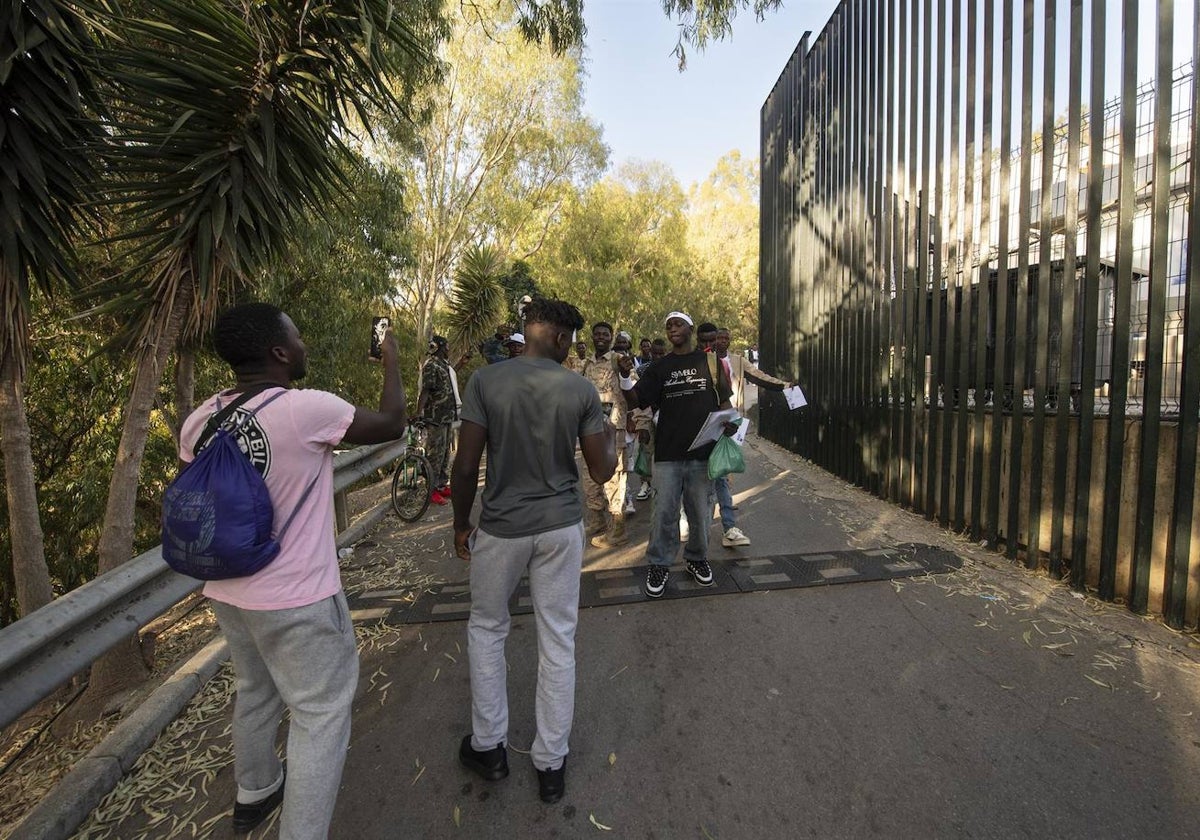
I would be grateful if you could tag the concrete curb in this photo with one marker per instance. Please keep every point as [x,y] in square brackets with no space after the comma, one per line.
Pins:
[365,523]
[95,775]
[75,796]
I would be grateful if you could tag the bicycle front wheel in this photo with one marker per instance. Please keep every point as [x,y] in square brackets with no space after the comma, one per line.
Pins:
[411,486]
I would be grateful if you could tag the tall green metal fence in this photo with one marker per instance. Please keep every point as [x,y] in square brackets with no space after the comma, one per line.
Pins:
[975,259]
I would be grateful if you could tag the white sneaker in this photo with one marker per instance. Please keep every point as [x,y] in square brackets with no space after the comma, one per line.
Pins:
[734,537]
[644,493]
[629,508]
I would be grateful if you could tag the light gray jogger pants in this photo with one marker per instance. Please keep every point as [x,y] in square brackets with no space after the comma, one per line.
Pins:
[306,659]
[554,560]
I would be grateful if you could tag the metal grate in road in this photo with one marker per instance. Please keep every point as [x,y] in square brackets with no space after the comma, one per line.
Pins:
[452,601]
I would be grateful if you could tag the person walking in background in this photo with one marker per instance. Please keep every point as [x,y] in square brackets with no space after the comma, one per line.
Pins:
[437,410]
[626,445]
[288,626]
[529,523]
[739,371]
[685,387]
[605,514]
[494,349]
[578,359]
[643,357]
[743,373]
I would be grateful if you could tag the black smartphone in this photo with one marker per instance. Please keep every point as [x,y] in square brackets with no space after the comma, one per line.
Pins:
[379,327]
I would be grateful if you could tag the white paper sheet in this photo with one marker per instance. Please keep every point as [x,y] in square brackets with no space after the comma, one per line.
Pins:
[795,397]
[714,427]
[739,437]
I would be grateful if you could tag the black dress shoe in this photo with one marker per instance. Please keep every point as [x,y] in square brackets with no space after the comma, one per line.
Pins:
[491,765]
[247,817]
[552,783]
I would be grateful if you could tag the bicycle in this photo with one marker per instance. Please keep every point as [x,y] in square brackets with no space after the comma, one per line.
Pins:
[412,482]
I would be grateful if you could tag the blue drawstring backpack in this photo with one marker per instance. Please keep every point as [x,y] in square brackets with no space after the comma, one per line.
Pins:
[217,514]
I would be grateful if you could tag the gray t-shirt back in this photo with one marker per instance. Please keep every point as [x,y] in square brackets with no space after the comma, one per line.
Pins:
[534,411]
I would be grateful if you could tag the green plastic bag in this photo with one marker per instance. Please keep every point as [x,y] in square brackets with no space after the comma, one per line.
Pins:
[642,465]
[726,458]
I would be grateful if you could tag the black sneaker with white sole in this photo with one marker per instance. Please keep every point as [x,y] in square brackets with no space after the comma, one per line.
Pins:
[656,581]
[701,571]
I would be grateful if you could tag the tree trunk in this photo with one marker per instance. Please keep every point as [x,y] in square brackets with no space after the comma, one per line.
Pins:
[124,666]
[30,573]
[185,384]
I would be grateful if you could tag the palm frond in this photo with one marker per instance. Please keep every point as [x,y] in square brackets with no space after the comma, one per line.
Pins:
[477,300]
[48,128]
[232,123]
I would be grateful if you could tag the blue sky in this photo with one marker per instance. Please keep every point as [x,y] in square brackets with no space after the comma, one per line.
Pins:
[651,111]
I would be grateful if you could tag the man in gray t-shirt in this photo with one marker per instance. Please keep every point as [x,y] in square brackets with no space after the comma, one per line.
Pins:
[528,413]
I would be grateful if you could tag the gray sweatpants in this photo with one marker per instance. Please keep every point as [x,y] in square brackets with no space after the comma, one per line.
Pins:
[306,659]
[554,560]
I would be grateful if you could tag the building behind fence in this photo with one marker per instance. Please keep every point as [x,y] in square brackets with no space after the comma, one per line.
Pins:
[975,257]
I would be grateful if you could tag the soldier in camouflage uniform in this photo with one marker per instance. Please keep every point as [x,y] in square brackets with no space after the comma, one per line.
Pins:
[437,408]
[605,504]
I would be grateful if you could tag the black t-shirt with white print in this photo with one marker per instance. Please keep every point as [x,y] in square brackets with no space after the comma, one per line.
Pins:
[680,387]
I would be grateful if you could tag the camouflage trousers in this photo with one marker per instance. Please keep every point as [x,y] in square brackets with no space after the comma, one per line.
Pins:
[437,450]
[609,496]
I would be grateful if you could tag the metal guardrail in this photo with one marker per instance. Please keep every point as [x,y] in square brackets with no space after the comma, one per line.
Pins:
[46,648]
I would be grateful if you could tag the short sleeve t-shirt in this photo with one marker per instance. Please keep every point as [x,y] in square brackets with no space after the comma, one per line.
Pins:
[680,387]
[289,442]
[534,411]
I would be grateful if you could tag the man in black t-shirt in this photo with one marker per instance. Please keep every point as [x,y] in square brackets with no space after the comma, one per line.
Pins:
[685,387]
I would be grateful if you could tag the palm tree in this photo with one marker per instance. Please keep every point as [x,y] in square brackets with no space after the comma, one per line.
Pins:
[477,300]
[47,127]
[231,121]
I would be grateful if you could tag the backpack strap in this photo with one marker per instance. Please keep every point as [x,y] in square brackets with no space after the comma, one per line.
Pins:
[223,414]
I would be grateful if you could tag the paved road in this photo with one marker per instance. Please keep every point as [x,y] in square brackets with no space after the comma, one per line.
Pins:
[987,703]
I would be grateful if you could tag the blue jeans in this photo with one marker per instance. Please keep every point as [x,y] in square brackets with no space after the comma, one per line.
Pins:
[725,501]
[675,482]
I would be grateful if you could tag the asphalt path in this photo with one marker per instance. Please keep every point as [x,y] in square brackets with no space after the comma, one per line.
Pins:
[986,703]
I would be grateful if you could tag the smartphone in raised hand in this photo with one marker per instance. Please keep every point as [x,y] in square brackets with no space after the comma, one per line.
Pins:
[379,327]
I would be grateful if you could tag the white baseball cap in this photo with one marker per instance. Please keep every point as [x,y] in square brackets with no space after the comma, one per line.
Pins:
[516,338]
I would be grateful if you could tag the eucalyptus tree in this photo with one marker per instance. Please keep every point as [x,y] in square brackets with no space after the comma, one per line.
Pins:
[505,144]
[620,251]
[47,128]
[231,121]
[722,237]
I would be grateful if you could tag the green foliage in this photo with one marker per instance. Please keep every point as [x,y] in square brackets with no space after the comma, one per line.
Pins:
[702,21]
[723,244]
[517,283]
[232,122]
[505,147]
[620,252]
[46,91]
[478,299]
[337,275]
[632,249]
[74,396]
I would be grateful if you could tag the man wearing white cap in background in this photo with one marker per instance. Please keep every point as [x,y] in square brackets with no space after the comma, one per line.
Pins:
[515,345]
[686,385]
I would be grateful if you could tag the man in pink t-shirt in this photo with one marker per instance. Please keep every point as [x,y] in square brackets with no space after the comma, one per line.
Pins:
[288,625]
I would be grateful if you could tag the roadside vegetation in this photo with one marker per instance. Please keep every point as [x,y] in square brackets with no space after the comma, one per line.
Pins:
[163,160]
